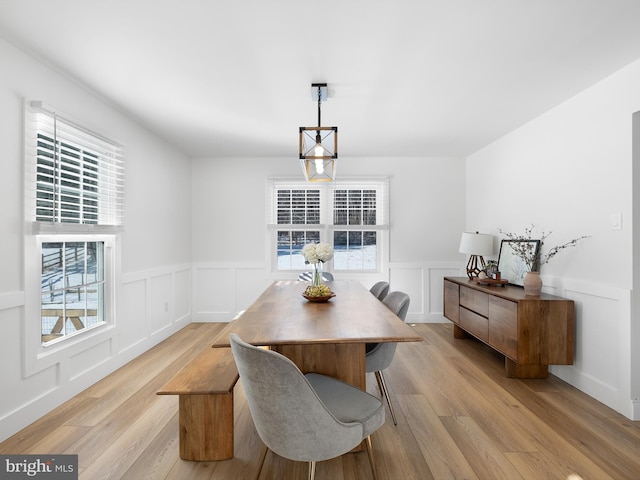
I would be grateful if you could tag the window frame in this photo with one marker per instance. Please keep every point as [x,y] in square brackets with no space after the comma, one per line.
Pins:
[108,229]
[326,226]
[38,355]
[98,285]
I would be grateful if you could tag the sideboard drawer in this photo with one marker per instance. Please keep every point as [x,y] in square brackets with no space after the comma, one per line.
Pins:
[474,300]
[475,324]
[452,301]
[503,326]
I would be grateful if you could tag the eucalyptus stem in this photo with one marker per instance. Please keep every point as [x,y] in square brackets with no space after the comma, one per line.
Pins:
[526,251]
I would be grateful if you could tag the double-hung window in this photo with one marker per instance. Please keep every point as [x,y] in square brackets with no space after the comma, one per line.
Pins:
[298,223]
[352,216]
[355,220]
[74,199]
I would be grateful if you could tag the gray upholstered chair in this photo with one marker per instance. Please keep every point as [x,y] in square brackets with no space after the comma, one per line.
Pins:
[380,355]
[308,276]
[380,289]
[306,418]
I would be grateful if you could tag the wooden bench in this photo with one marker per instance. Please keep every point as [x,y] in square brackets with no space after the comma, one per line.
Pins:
[205,389]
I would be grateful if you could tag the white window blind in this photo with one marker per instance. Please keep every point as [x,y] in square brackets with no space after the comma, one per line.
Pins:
[74,176]
[361,203]
[290,203]
[298,206]
[347,202]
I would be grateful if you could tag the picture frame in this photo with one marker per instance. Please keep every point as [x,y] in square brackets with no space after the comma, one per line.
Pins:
[510,265]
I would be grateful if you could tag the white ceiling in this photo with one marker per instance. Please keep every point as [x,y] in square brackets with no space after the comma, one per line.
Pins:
[406,77]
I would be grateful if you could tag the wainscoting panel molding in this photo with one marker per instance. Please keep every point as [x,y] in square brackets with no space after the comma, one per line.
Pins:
[602,364]
[151,305]
[221,290]
[423,283]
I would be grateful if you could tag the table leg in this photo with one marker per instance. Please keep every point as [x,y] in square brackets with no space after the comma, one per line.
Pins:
[77,323]
[344,361]
[57,328]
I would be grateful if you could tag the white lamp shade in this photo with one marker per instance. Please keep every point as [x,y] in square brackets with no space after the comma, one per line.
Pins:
[474,243]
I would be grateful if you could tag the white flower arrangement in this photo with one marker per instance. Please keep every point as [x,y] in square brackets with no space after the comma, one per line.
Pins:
[314,253]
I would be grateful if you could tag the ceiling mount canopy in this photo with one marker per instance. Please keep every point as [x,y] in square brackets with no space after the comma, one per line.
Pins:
[319,145]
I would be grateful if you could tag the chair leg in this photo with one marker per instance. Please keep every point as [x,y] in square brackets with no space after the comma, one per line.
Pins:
[263,455]
[385,393]
[367,442]
[312,470]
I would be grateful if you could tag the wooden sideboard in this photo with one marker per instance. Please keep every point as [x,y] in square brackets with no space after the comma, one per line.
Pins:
[531,332]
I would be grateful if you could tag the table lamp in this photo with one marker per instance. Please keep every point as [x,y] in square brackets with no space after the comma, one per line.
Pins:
[476,245]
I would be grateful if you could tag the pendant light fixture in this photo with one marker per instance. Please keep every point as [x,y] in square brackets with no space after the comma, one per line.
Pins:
[319,145]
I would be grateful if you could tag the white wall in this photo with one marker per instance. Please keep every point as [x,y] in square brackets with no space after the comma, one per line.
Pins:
[427,199]
[155,247]
[567,172]
[634,333]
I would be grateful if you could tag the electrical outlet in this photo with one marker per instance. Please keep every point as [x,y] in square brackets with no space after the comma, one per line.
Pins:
[166,306]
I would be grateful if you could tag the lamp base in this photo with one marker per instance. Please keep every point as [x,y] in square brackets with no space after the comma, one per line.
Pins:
[475,266]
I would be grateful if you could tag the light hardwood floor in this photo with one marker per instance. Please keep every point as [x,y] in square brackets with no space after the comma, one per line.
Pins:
[459,417]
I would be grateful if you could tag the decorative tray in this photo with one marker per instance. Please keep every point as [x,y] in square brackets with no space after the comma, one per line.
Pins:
[490,281]
[324,298]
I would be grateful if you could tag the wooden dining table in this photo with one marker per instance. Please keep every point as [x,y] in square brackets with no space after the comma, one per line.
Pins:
[327,338]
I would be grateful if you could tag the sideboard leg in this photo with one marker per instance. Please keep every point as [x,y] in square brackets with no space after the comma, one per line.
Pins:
[519,370]
[459,333]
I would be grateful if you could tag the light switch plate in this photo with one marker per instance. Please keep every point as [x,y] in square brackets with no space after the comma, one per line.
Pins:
[616,221]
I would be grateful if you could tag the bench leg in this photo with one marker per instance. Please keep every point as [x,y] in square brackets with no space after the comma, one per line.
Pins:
[206,427]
